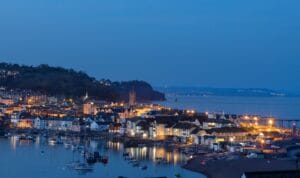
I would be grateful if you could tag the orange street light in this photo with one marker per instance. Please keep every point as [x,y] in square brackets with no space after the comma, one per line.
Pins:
[270,122]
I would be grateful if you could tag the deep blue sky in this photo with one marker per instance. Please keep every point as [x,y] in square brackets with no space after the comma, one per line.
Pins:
[217,43]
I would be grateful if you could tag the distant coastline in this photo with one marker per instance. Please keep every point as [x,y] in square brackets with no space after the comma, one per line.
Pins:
[209,91]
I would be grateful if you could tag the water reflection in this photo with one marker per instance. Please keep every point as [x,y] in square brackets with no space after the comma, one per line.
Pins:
[115,146]
[52,161]
[154,154]
[13,142]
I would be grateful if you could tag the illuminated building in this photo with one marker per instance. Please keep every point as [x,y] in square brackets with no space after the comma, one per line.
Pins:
[89,108]
[36,99]
[6,101]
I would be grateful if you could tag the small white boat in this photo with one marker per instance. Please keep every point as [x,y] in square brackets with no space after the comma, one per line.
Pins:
[83,167]
[7,135]
[72,164]
[52,141]
[67,145]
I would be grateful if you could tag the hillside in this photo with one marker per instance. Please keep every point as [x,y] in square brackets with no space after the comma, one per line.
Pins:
[71,83]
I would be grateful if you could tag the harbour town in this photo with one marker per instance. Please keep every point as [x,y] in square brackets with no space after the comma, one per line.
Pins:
[149,89]
[202,142]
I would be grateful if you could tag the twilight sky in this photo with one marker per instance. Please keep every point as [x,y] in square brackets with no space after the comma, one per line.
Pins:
[216,43]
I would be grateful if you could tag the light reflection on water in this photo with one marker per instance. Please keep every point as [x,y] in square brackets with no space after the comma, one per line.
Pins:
[21,158]
[150,153]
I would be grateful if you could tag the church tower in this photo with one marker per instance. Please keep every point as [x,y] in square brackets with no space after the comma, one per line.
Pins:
[132,98]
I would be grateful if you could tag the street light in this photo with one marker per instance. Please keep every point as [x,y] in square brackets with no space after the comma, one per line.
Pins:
[270,122]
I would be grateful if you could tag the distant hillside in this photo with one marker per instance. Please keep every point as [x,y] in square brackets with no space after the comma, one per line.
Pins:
[71,83]
[201,91]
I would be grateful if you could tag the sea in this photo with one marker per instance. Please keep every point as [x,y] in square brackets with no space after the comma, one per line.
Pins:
[275,106]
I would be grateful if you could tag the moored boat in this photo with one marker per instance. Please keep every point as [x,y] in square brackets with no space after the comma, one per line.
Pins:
[83,167]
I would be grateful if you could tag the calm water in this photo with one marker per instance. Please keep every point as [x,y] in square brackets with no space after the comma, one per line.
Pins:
[281,107]
[23,159]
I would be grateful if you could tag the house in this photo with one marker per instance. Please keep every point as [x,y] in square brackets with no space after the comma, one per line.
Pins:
[227,133]
[14,108]
[134,126]
[162,126]
[94,126]
[107,117]
[208,140]
[15,118]
[216,123]
[115,128]
[76,126]
[183,131]
[25,123]
[234,147]
[6,101]
[21,120]
[197,135]
[99,126]
[39,123]
[60,124]
[191,120]
[142,129]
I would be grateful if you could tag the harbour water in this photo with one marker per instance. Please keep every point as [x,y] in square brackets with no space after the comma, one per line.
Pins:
[279,107]
[38,159]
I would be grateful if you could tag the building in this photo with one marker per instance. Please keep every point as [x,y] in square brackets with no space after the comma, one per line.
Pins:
[133,126]
[59,124]
[132,98]
[36,99]
[89,108]
[229,133]
[183,131]
[7,101]
[216,123]
[162,126]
